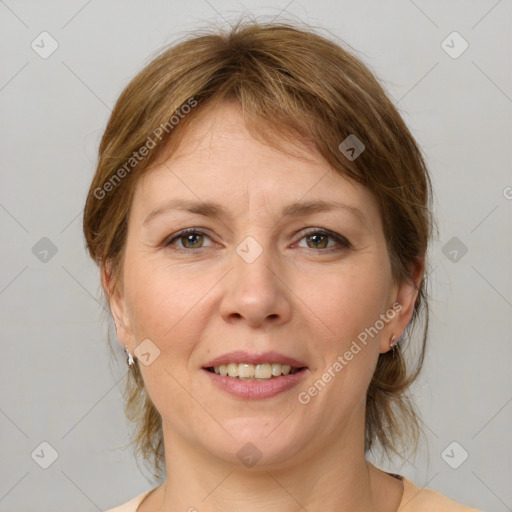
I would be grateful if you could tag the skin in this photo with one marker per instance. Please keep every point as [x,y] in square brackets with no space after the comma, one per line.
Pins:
[307,297]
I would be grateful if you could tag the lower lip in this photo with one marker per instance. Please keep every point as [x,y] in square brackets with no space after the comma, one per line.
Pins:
[256,390]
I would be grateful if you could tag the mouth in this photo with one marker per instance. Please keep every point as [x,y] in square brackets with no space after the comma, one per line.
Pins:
[254,372]
[250,376]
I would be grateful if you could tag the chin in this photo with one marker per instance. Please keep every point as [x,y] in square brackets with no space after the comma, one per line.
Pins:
[259,443]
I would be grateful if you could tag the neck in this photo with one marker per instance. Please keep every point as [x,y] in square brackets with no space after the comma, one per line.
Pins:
[337,478]
[309,487]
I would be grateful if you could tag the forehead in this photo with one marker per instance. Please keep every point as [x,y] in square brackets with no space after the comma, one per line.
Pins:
[221,130]
[219,159]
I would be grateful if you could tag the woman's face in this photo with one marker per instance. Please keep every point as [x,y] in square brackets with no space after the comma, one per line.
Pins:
[268,278]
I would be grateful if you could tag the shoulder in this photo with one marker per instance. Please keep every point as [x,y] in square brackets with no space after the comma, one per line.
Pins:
[130,506]
[418,499]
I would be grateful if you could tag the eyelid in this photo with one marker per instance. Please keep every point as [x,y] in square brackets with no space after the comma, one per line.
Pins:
[327,232]
[174,237]
[340,239]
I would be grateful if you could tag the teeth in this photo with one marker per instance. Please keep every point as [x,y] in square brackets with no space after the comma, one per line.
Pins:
[244,371]
[233,370]
[263,371]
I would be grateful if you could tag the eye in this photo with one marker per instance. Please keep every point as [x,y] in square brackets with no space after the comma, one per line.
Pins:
[190,238]
[319,238]
[193,238]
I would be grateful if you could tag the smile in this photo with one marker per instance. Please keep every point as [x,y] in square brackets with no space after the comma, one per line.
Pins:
[255,376]
[245,371]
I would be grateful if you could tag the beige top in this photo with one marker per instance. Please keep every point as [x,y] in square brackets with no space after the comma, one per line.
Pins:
[414,499]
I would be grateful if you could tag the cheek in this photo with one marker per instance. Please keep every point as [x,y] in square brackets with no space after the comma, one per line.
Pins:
[165,306]
[348,301]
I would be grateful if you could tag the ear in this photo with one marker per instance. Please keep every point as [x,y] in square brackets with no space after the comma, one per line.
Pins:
[403,298]
[118,308]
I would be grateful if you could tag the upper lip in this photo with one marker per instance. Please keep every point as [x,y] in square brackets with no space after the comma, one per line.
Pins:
[240,356]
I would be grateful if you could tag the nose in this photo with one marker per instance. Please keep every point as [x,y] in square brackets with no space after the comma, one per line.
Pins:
[255,291]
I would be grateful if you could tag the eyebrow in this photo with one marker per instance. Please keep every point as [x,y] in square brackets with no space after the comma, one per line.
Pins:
[295,209]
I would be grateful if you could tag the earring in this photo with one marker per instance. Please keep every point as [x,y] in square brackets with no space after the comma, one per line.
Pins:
[130,357]
[393,343]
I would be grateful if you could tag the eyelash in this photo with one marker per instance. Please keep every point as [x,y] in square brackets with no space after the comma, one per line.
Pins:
[194,231]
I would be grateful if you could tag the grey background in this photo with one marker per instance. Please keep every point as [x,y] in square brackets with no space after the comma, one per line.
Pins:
[57,382]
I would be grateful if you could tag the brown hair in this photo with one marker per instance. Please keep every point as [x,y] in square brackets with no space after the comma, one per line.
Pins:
[306,87]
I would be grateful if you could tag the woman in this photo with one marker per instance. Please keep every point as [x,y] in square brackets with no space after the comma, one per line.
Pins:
[261,214]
